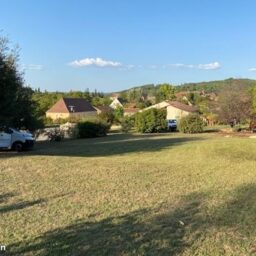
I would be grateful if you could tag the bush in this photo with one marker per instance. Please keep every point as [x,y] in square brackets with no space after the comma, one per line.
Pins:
[127,124]
[107,116]
[118,115]
[152,120]
[91,129]
[191,124]
[55,134]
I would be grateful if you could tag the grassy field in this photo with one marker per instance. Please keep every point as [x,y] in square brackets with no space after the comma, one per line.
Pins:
[166,194]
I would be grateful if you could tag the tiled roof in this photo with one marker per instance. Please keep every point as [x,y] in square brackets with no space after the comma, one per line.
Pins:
[70,105]
[183,106]
[131,110]
[104,108]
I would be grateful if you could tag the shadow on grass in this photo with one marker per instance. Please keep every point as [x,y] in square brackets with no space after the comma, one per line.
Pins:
[5,197]
[107,146]
[148,232]
[136,233]
[20,205]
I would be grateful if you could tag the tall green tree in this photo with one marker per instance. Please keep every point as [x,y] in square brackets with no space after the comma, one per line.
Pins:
[16,104]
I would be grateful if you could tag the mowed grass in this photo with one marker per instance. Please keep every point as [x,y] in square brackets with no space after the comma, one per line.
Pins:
[166,194]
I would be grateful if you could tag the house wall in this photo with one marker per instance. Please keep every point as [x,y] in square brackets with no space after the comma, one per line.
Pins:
[55,116]
[115,104]
[175,113]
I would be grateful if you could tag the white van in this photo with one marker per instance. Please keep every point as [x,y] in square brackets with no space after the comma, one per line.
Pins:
[11,138]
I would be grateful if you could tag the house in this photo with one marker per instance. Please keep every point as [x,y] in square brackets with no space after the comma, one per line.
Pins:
[71,107]
[175,109]
[117,102]
[103,109]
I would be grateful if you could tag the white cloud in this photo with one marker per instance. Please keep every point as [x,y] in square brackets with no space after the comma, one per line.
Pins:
[180,65]
[98,62]
[212,66]
[252,69]
[208,66]
[33,67]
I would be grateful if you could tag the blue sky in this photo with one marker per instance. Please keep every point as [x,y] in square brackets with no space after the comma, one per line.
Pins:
[110,45]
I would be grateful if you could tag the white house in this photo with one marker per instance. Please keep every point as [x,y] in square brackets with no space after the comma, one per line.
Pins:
[117,102]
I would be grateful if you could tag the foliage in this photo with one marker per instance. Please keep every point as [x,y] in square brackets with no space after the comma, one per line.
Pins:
[100,101]
[118,114]
[165,92]
[127,123]
[253,93]
[47,99]
[16,104]
[143,104]
[191,124]
[90,129]
[234,104]
[107,116]
[55,134]
[152,120]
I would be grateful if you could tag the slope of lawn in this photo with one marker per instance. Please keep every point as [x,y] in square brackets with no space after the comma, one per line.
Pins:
[166,194]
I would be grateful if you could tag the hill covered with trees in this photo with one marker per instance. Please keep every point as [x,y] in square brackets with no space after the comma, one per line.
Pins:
[208,87]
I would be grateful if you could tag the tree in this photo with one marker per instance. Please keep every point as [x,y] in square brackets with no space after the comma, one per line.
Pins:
[234,104]
[166,92]
[253,93]
[16,104]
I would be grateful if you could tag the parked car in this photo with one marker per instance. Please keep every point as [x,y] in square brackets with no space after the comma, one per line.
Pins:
[11,138]
[172,125]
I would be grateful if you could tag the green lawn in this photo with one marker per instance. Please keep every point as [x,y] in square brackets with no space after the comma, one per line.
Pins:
[166,194]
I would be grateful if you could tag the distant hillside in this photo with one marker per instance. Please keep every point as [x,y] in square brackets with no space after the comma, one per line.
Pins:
[215,86]
[208,87]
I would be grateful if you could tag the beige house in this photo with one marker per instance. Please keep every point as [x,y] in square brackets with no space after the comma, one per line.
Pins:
[117,102]
[71,107]
[175,109]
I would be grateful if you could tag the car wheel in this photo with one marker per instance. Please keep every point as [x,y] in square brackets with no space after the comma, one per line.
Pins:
[18,146]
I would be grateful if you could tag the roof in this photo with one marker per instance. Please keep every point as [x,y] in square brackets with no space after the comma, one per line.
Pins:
[131,110]
[182,106]
[71,105]
[121,100]
[104,108]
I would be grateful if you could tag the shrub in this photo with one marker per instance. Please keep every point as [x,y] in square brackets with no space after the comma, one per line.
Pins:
[191,124]
[91,129]
[127,124]
[107,116]
[152,120]
[55,134]
[118,114]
